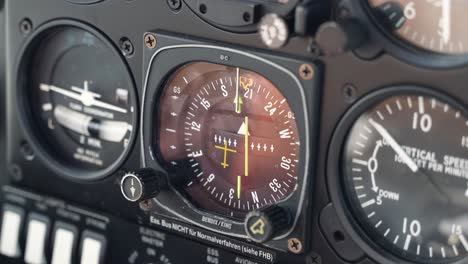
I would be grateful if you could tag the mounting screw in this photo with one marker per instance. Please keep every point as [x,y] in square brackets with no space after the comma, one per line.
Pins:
[295,245]
[344,13]
[150,41]
[16,172]
[314,49]
[175,5]
[314,259]
[27,151]
[306,71]
[349,93]
[146,205]
[26,26]
[126,47]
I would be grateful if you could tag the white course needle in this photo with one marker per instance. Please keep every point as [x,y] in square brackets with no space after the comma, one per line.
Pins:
[238,110]
[395,146]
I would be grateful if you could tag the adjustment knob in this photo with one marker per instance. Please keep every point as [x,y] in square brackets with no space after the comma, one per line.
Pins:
[263,225]
[274,31]
[335,38]
[142,185]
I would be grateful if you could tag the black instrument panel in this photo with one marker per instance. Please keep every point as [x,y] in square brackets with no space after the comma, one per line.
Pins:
[280,132]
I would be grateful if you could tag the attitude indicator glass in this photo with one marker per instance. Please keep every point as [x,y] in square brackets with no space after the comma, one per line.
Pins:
[80,101]
[405,172]
[230,137]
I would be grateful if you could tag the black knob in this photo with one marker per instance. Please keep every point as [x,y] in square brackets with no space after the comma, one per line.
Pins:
[142,185]
[309,15]
[335,38]
[263,225]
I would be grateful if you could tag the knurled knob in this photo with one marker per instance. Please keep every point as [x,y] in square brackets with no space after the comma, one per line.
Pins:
[264,224]
[142,185]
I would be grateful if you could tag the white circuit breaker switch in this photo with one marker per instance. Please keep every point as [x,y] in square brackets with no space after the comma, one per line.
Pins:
[37,234]
[10,232]
[92,248]
[64,243]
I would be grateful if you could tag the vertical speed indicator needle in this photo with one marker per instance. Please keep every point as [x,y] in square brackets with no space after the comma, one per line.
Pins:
[395,146]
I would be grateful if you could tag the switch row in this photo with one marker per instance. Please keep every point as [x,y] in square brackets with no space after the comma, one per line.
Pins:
[64,238]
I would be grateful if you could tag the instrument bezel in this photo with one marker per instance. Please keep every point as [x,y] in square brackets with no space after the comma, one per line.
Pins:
[335,173]
[26,118]
[168,58]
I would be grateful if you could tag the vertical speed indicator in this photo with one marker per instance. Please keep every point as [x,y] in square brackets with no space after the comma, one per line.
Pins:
[405,175]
